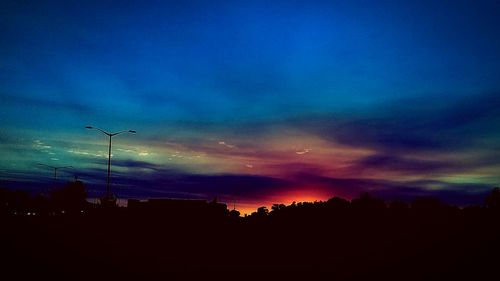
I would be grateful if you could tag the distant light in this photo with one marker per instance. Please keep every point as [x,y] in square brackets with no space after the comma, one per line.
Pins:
[62,212]
[29,214]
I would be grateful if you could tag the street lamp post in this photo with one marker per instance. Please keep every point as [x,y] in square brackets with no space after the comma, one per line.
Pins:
[55,168]
[107,197]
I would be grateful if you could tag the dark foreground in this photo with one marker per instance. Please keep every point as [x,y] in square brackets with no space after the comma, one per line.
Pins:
[310,242]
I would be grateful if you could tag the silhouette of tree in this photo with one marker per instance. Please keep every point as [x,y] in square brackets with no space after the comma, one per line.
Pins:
[368,202]
[234,213]
[398,206]
[493,199]
[40,205]
[4,201]
[427,204]
[278,207]
[261,212]
[71,198]
[338,203]
[15,202]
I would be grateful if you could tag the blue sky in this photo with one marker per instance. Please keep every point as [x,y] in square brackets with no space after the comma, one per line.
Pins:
[414,82]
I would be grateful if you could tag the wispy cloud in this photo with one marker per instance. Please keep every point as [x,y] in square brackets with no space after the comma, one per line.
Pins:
[226,144]
[304,151]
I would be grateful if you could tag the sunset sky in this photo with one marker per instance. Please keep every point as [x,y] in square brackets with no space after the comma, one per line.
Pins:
[255,102]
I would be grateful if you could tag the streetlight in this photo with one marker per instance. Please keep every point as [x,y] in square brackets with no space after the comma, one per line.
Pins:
[108,198]
[55,168]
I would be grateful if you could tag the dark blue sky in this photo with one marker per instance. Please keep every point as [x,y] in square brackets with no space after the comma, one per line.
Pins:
[397,90]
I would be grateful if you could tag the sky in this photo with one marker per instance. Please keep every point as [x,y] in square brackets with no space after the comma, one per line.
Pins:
[253,102]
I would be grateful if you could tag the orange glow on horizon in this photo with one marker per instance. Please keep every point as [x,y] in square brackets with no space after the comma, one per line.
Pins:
[304,194]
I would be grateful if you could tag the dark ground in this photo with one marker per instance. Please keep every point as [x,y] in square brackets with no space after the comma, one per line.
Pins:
[317,243]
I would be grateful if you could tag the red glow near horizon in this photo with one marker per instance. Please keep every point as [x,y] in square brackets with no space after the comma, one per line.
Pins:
[302,194]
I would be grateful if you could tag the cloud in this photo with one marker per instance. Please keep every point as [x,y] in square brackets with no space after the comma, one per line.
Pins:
[55,105]
[39,145]
[453,193]
[149,180]
[133,164]
[398,127]
[396,163]
[413,166]
[304,151]
[226,145]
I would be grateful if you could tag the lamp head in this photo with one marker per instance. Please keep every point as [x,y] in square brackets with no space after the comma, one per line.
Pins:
[132,131]
[89,127]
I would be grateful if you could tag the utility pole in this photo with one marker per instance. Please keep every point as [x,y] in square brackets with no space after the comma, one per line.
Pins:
[55,168]
[108,199]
